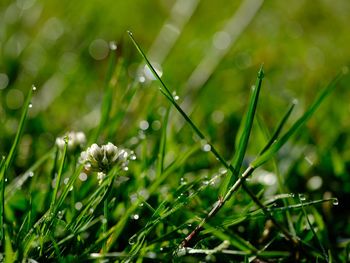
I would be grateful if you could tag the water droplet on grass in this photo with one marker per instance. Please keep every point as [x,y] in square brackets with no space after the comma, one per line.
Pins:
[144,125]
[335,201]
[132,240]
[136,217]
[83,177]
[33,87]
[30,174]
[113,45]
[30,105]
[302,197]
[175,96]
[205,146]
[223,171]
[142,79]
[78,206]
[60,214]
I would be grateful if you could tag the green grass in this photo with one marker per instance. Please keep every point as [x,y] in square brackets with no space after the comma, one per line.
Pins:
[229,172]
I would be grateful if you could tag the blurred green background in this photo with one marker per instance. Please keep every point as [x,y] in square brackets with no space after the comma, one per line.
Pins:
[208,52]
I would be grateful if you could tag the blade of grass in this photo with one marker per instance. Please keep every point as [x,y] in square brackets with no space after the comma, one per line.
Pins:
[115,231]
[20,180]
[313,230]
[264,157]
[244,134]
[162,145]
[273,138]
[10,256]
[9,159]
[166,92]
[279,128]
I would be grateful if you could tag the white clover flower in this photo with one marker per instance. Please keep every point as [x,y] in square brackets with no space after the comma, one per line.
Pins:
[76,140]
[103,159]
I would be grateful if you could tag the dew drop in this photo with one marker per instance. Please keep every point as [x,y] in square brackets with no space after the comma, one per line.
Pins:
[33,87]
[91,210]
[335,201]
[70,189]
[206,147]
[30,105]
[302,197]
[206,182]
[175,96]
[113,45]
[223,171]
[132,240]
[144,125]
[6,179]
[83,177]
[60,214]
[133,157]
[104,220]
[78,206]
[136,217]
[125,168]
[30,174]
[142,79]
[183,181]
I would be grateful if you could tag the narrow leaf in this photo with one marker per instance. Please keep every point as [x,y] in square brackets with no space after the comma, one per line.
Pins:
[261,159]
[244,133]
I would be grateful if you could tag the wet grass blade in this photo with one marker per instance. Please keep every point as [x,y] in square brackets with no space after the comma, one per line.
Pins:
[313,230]
[244,134]
[261,159]
[9,159]
[162,145]
[279,128]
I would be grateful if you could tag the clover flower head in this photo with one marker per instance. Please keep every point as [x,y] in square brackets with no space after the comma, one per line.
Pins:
[103,158]
[76,140]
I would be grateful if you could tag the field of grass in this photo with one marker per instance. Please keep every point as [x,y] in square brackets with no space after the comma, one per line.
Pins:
[174,130]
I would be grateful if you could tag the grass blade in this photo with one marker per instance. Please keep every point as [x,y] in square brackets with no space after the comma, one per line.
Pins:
[279,128]
[162,145]
[244,133]
[9,159]
[313,230]
[261,159]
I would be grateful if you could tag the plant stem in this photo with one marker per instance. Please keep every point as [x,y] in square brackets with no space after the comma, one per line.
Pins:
[221,201]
